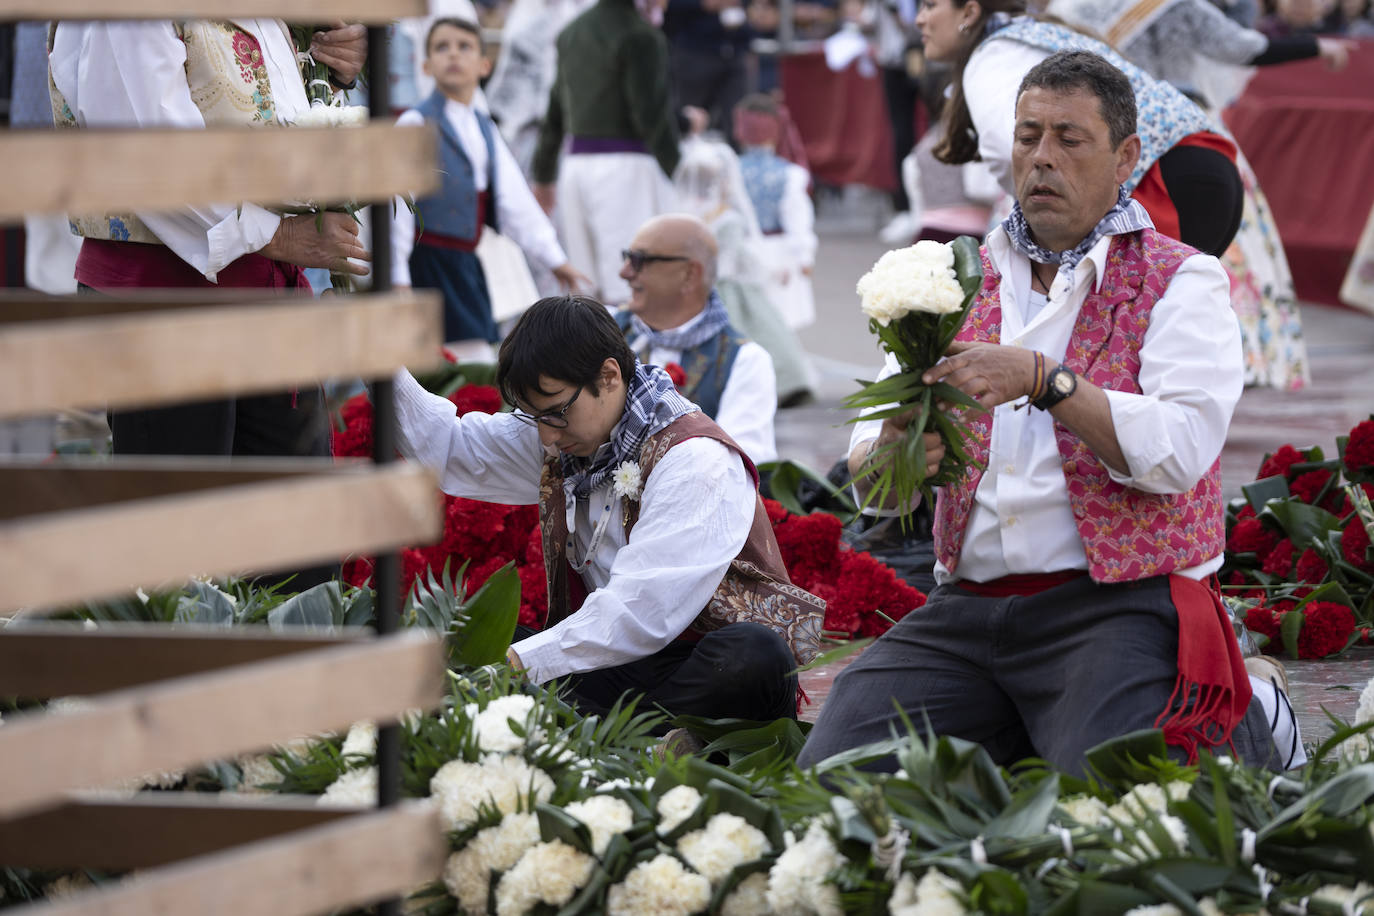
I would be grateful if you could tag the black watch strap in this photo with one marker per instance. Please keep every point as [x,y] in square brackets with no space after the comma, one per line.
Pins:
[1059,384]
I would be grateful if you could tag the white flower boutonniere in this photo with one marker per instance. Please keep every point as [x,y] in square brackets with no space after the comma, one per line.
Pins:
[627,480]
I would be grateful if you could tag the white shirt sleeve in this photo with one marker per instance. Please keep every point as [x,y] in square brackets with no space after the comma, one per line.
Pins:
[798,216]
[991,79]
[132,74]
[697,509]
[519,216]
[749,402]
[402,220]
[1191,377]
[496,458]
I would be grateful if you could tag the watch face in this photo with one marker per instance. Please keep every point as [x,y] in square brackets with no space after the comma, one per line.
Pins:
[1063,382]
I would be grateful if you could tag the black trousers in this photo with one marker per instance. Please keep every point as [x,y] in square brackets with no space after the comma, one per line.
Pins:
[1208,194]
[1048,675]
[714,81]
[741,671]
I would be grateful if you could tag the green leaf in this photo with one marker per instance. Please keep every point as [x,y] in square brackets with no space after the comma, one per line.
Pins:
[839,653]
[492,613]
[1123,761]
[317,607]
[1266,488]
[948,393]
[1304,524]
[557,824]
[1288,629]
[1029,812]
[785,481]
[204,604]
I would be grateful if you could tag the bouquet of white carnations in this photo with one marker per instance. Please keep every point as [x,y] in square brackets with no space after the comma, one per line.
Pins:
[916,300]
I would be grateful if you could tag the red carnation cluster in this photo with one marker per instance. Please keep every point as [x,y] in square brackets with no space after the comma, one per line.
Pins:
[1278,464]
[1246,511]
[1355,545]
[1311,567]
[355,439]
[1326,629]
[1279,560]
[1307,487]
[861,593]
[1266,620]
[1250,535]
[479,398]
[1359,450]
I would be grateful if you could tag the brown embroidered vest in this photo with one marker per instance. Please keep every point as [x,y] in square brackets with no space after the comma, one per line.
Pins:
[756,587]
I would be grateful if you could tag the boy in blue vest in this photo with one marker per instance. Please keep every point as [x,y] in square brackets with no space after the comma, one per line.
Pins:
[481,185]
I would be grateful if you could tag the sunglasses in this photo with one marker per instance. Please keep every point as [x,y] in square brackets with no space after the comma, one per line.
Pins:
[637,259]
[556,418]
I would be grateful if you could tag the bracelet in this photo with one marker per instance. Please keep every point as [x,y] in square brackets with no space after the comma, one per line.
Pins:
[343,87]
[1038,377]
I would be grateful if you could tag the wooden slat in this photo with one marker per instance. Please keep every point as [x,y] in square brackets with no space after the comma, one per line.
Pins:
[164,356]
[89,171]
[42,660]
[152,828]
[63,557]
[370,11]
[185,721]
[360,859]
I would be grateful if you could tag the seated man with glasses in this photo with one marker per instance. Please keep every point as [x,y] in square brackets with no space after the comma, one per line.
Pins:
[647,508]
[675,317]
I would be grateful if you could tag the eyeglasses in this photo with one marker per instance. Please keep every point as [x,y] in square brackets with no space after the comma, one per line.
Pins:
[557,418]
[639,258]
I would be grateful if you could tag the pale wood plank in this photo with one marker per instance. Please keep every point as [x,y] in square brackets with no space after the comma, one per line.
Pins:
[43,660]
[360,859]
[63,557]
[165,356]
[122,170]
[370,11]
[152,828]
[185,721]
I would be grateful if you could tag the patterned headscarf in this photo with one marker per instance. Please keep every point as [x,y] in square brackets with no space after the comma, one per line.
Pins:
[1126,216]
[651,403]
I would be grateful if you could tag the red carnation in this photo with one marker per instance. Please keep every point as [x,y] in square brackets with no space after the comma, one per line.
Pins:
[810,545]
[1359,449]
[1311,567]
[1355,545]
[1279,561]
[1277,464]
[479,398]
[1251,536]
[1236,577]
[676,373]
[1326,628]
[776,513]
[1307,487]
[355,439]
[1246,511]
[1263,619]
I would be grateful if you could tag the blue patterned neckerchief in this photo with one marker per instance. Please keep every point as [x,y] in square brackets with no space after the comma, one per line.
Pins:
[1126,216]
[651,403]
[708,324]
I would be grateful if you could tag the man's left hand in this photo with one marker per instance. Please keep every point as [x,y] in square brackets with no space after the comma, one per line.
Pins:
[343,49]
[991,374]
[571,279]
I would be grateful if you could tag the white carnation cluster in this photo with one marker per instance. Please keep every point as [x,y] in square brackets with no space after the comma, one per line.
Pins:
[1151,801]
[332,116]
[916,279]
[605,816]
[1357,748]
[257,773]
[353,788]
[548,873]
[361,740]
[1207,905]
[749,898]
[936,894]
[1087,810]
[726,841]
[467,874]
[492,725]
[675,806]
[663,886]
[796,882]
[506,782]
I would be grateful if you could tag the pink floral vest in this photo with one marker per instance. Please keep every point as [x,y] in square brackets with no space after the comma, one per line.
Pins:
[1128,534]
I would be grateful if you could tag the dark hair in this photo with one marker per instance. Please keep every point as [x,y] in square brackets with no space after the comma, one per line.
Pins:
[467,25]
[567,338]
[960,142]
[1067,71]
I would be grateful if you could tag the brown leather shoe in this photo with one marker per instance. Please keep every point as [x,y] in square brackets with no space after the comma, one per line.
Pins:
[1266,668]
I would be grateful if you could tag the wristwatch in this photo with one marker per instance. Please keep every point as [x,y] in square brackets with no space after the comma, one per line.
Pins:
[1059,384]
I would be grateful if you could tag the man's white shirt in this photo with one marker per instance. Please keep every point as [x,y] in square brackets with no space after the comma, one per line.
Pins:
[1190,379]
[696,510]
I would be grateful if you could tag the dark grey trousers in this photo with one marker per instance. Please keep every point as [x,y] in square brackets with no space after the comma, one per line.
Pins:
[1048,675]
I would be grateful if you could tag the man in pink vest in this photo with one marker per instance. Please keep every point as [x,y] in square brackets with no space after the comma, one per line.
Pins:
[1075,552]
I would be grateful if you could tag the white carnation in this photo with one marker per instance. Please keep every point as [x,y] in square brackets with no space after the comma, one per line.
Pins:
[749,898]
[1144,799]
[675,806]
[936,894]
[257,773]
[549,873]
[916,279]
[726,841]
[796,882]
[1356,900]
[354,787]
[361,740]
[505,782]
[605,816]
[467,875]
[332,116]
[1365,711]
[662,886]
[1086,810]
[1142,847]
[627,480]
[492,725]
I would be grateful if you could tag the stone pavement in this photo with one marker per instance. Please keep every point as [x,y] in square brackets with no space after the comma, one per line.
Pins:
[1341,353]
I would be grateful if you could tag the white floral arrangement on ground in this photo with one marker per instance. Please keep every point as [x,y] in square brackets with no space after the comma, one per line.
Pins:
[916,300]
[333,116]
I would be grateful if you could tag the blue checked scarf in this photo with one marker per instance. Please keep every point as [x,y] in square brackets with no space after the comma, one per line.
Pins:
[1127,216]
[651,403]
[711,322]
